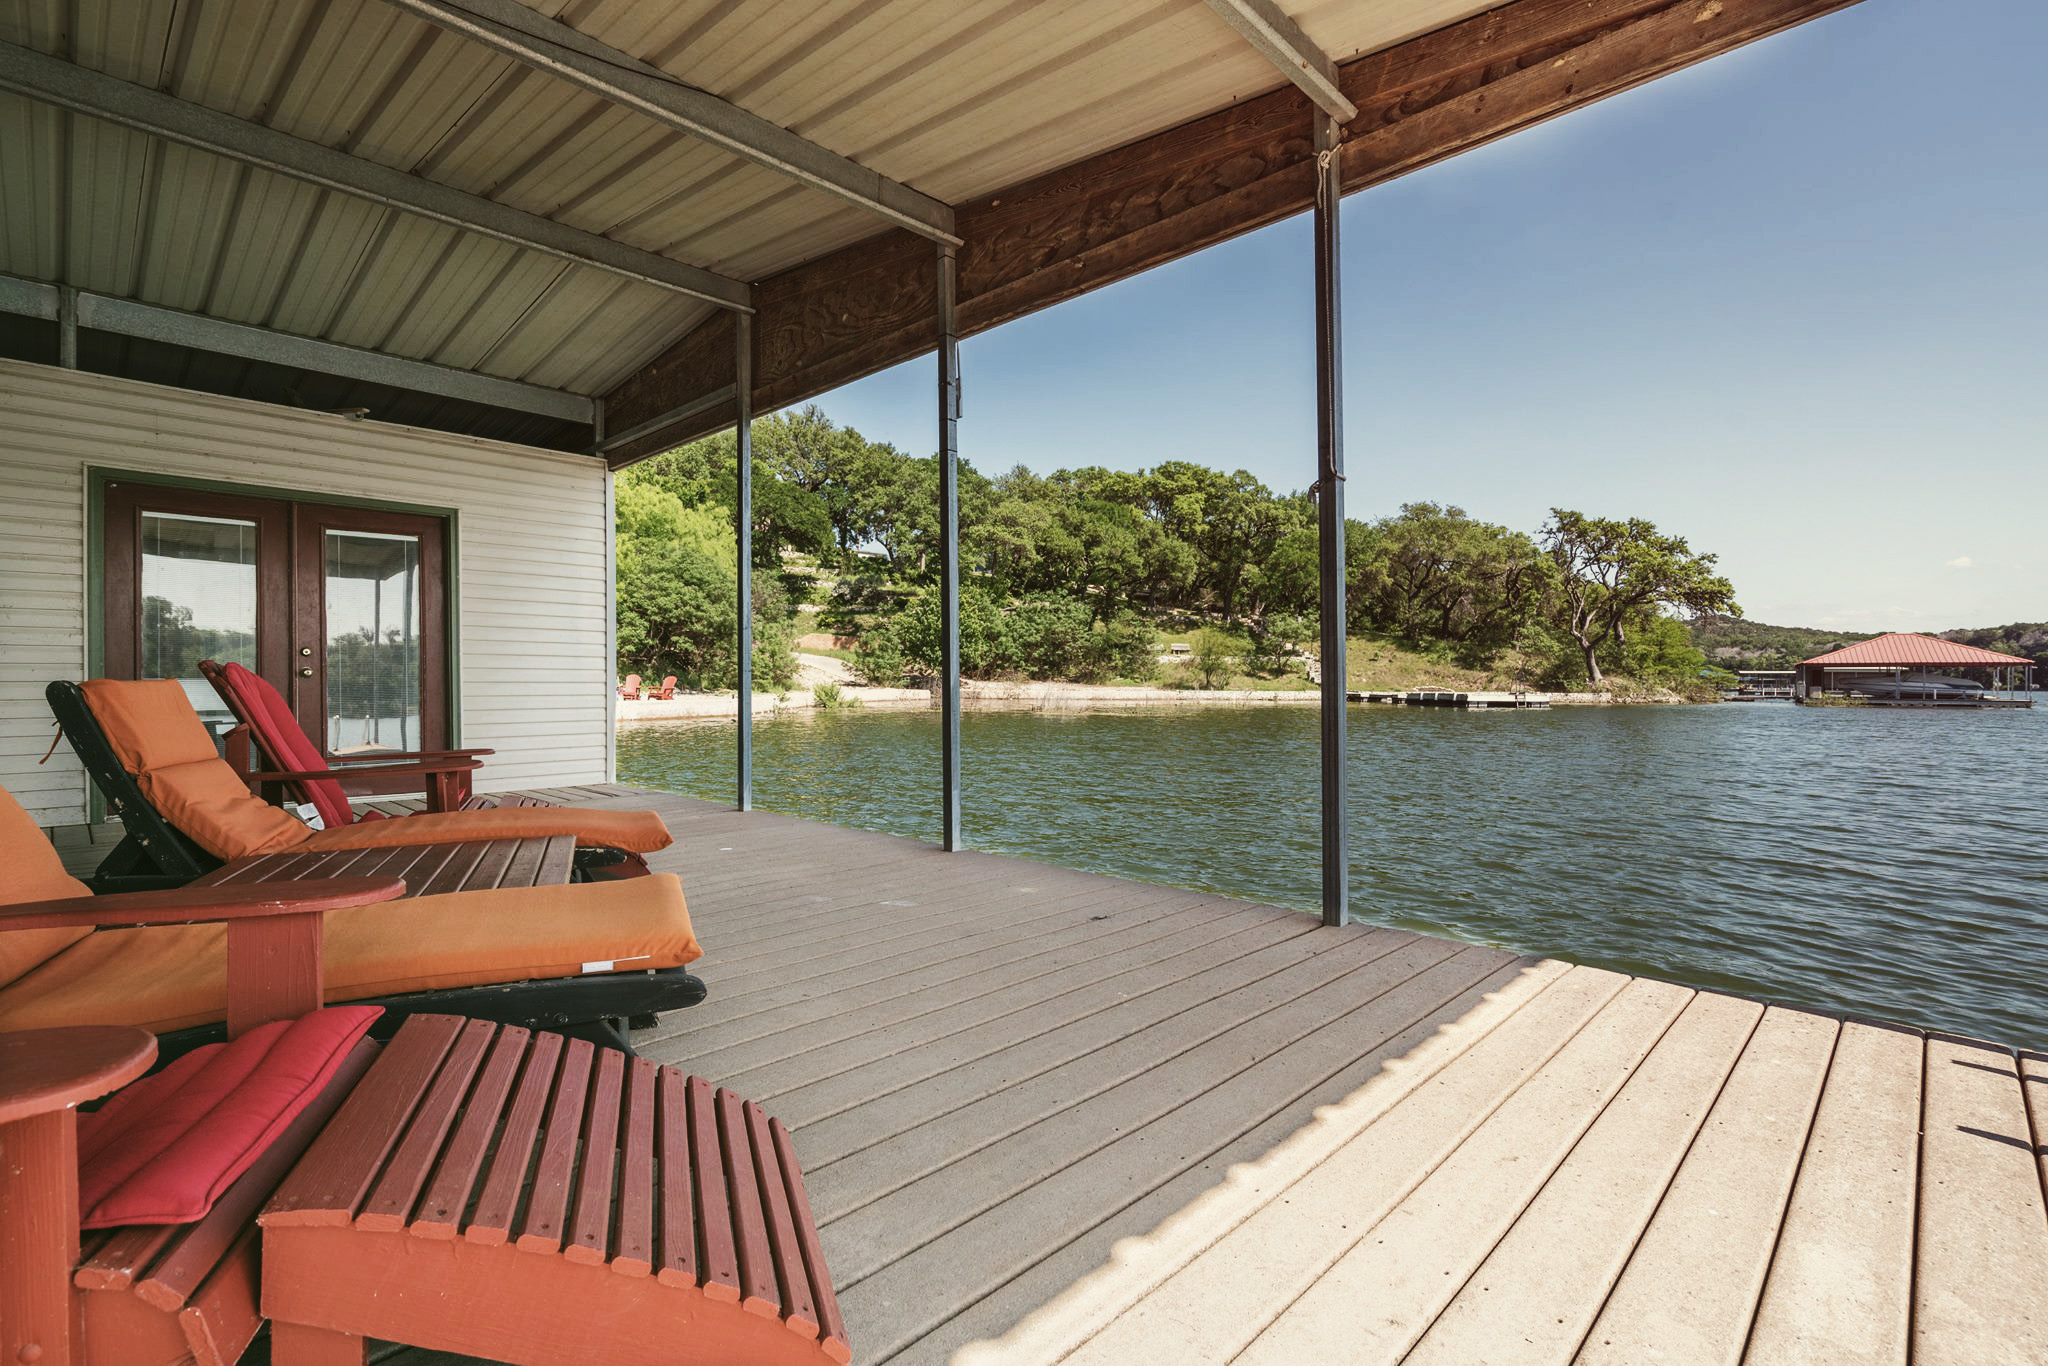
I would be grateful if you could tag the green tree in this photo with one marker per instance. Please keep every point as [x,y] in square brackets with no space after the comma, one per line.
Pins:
[678,589]
[1214,658]
[1613,575]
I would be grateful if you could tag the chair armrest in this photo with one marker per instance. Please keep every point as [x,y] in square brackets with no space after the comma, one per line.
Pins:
[342,775]
[199,905]
[407,756]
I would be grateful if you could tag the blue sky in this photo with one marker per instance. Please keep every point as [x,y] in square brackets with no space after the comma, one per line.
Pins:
[1790,303]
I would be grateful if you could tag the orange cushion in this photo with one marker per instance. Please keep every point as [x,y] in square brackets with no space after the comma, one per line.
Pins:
[169,976]
[31,871]
[161,741]
[642,832]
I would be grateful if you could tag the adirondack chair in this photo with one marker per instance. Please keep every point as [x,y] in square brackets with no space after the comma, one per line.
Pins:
[187,810]
[144,1294]
[293,761]
[354,1240]
[666,691]
[576,958]
[630,689]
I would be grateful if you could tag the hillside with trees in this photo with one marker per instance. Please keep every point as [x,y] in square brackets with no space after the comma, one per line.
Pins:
[2029,638]
[1082,574]
[1736,643]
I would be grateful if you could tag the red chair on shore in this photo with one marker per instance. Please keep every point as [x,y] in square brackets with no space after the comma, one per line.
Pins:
[630,689]
[666,691]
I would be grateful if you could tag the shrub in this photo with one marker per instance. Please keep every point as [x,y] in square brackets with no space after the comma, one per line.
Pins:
[1214,658]
[1125,646]
[878,660]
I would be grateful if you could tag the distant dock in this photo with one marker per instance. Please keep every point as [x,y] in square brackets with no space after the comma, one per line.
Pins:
[1471,701]
[1981,702]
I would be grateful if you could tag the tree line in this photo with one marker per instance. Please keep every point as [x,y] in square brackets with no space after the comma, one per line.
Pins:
[1071,574]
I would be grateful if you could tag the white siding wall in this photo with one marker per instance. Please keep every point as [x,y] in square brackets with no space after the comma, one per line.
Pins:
[530,553]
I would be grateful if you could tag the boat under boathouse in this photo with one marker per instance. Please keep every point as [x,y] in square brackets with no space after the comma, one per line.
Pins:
[1905,669]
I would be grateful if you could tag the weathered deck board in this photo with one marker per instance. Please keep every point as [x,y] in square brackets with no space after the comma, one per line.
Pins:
[1545,1281]
[1980,1294]
[1049,1115]
[1691,1287]
[1840,1287]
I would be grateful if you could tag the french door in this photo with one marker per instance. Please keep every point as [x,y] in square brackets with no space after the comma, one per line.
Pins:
[343,610]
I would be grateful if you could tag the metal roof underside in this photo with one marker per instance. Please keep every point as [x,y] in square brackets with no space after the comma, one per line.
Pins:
[954,100]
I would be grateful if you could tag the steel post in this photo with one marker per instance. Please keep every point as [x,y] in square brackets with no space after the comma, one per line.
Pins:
[949,550]
[67,327]
[743,519]
[1330,518]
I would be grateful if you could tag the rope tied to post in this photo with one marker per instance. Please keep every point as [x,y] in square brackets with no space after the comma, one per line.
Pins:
[1323,160]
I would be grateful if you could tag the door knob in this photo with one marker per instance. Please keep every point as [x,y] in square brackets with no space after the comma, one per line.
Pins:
[305,673]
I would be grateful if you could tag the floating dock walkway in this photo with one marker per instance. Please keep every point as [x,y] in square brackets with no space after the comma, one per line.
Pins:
[1471,701]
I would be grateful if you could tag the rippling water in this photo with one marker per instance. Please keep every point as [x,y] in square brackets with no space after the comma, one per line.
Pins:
[1875,862]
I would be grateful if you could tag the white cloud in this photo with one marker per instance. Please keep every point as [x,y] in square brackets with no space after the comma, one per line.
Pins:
[1962,562]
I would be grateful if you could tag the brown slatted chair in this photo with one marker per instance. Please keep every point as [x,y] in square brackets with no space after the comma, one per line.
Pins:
[516,1196]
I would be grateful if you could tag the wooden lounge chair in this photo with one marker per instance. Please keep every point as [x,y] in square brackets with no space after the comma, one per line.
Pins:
[702,1250]
[186,810]
[630,689]
[666,691]
[295,762]
[145,1294]
[576,958]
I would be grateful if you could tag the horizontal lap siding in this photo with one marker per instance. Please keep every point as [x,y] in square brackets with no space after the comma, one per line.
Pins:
[530,556]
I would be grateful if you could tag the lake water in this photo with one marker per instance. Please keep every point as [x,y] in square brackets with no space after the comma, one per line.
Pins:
[1876,862]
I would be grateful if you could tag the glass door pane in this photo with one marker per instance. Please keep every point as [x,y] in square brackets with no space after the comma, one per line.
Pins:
[198,599]
[373,632]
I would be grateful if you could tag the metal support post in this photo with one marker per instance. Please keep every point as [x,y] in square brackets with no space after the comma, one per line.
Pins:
[949,550]
[1330,517]
[67,327]
[743,518]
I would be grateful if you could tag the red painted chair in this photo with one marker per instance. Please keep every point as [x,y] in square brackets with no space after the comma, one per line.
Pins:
[630,689]
[295,762]
[666,691]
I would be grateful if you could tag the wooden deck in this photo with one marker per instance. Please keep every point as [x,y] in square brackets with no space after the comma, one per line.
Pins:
[1050,1116]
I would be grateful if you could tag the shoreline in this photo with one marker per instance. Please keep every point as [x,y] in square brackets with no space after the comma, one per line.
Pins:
[1026,696]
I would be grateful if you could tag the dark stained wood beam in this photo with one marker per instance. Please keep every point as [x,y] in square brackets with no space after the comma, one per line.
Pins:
[870,305]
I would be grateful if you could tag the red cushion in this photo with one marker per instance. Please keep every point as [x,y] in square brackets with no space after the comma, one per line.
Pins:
[278,732]
[163,1150]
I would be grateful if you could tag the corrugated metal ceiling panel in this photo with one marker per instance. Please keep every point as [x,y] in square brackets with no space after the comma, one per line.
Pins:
[956,100]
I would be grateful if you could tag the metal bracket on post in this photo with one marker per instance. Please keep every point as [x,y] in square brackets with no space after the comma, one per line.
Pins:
[949,551]
[1330,519]
[743,520]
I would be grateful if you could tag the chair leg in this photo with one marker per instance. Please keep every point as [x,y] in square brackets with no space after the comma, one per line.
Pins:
[38,1237]
[295,1344]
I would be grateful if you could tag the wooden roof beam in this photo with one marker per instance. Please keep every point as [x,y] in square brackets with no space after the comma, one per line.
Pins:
[508,27]
[1273,33]
[871,305]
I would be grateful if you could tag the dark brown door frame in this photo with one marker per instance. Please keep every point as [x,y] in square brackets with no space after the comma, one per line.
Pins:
[310,524]
[291,584]
[121,623]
